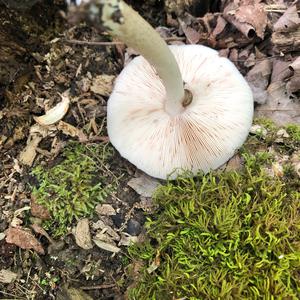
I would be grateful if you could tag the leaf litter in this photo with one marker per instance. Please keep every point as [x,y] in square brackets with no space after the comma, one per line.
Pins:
[264,45]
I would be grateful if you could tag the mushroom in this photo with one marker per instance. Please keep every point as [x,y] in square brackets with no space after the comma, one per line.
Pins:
[175,108]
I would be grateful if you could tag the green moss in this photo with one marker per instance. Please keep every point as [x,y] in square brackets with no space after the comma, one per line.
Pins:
[294,131]
[71,189]
[225,235]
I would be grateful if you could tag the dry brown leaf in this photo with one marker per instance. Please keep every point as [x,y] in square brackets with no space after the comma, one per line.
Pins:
[103,84]
[82,234]
[38,210]
[105,210]
[288,21]
[191,34]
[72,131]
[279,107]
[23,239]
[280,70]
[294,83]
[7,276]
[28,154]
[221,23]
[39,230]
[258,79]
[250,19]
[106,246]
[144,185]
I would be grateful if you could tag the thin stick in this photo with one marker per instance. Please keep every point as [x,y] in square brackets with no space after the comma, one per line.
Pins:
[98,287]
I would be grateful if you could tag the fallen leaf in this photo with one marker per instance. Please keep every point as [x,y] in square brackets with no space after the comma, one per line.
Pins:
[106,246]
[56,113]
[294,82]
[72,131]
[221,23]
[103,84]
[191,34]
[105,210]
[127,239]
[107,229]
[155,264]
[258,79]
[38,210]
[82,234]
[39,230]
[288,21]
[7,276]
[249,19]
[279,106]
[234,164]
[28,155]
[23,239]
[295,159]
[2,236]
[280,71]
[144,185]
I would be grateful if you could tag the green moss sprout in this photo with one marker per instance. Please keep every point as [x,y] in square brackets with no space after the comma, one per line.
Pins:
[225,235]
[71,189]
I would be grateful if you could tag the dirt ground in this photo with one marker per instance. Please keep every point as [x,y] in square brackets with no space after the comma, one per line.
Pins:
[260,37]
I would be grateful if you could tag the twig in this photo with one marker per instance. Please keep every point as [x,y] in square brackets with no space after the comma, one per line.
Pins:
[98,287]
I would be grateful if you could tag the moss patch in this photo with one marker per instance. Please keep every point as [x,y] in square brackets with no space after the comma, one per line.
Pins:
[227,235]
[71,189]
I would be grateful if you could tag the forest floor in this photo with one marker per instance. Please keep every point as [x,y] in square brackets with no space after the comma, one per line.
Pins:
[46,253]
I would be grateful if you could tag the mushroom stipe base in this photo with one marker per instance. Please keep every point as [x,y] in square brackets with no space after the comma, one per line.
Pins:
[202,137]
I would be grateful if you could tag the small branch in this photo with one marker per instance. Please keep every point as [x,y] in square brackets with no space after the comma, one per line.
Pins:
[98,287]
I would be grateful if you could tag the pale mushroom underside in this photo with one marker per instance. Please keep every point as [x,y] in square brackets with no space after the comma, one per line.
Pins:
[203,137]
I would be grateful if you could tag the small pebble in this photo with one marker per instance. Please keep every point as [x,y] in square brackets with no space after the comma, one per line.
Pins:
[134,227]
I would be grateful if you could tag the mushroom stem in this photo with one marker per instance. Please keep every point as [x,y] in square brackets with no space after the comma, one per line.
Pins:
[126,24]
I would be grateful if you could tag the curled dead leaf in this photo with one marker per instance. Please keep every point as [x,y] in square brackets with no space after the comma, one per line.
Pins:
[288,21]
[249,19]
[23,239]
[54,114]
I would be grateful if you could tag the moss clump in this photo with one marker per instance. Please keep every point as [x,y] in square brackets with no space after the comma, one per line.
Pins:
[225,235]
[71,189]
[294,131]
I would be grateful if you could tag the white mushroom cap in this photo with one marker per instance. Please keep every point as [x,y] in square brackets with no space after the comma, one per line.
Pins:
[203,137]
